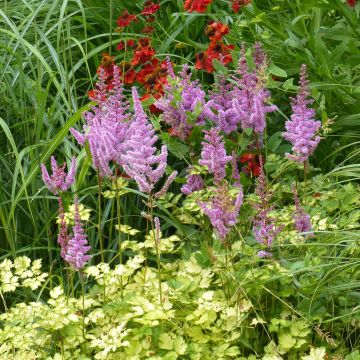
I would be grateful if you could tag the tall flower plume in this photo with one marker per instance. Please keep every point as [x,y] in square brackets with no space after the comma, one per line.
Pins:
[106,125]
[213,154]
[222,210]
[301,130]
[194,182]
[77,247]
[63,235]
[140,161]
[264,226]
[59,181]
[301,218]
[250,95]
[182,97]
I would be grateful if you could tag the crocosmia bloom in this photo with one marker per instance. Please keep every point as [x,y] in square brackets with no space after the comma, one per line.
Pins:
[351,3]
[196,5]
[125,19]
[59,181]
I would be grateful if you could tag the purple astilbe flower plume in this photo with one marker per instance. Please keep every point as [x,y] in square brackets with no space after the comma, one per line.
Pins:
[220,110]
[213,154]
[167,184]
[259,56]
[59,181]
[301,218]
[77,247]
[106,125]
[194,182]
[141,163]
[63,235]
[182,96]
[264,227]
[250,95]
[157,229]
[222,210]
[302,128]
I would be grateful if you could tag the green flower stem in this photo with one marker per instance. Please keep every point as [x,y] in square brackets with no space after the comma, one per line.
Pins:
[83,302]
[118,209]
[151,206]
[101,241]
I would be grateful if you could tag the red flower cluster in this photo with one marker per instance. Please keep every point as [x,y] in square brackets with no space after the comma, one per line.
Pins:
[201,5]
[351,3]
[252,164]
[150,8]
[216,50]
[238,4]
[196,5]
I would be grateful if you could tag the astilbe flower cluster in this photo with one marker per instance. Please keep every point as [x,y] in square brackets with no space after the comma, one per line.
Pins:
[194,182]
[220,110]
[77,246]
[182,96]
[301,218]
[141,163]
[59,181]
[264,226]
[250,95]
[106,125]
[301,130]
[222,210]
[213,154]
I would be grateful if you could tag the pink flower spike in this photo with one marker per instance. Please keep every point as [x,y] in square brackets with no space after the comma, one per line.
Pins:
[59,181]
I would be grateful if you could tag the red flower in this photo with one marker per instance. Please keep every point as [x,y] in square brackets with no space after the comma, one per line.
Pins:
[131,43]
[150,8]
[125,19]
[196,5]
[217,50]
[252,164]
[120,46]
[351,3]
[142,55]
[148,29]
[216,30]
[127,73]
[238,4]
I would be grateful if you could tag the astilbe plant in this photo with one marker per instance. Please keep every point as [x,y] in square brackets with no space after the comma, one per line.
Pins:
[250,94]
[59,181]
[301,218]
[220,110]
[264,226]
[222,210]
[213,154]
[77,246]
[301,130]
[107,125]
[141,162]
[182,97]
[194,182]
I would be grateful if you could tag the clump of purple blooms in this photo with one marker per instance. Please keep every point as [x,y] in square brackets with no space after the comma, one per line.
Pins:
[106,125]
[77,247]
[301,218]
[213,154]
[301,130]
[140,161]
[194,182]
[220,110]
[264,227]
[222,210]
[59,181]
[250,95]
[182,97]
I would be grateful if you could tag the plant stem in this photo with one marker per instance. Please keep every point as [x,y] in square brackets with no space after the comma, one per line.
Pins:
[305,180]
[151,206]
[83,302]
[118,209]
[99,219]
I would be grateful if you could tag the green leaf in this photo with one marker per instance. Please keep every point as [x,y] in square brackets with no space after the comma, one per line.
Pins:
[275,70]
